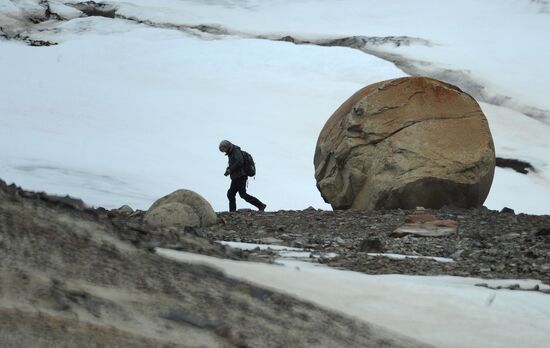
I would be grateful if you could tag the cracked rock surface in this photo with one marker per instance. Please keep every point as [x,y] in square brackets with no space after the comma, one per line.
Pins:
[405,143]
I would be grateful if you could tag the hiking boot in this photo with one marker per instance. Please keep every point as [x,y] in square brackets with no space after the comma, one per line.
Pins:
[262,207]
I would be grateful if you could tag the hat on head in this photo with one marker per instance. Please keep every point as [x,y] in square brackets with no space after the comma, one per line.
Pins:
[225,145]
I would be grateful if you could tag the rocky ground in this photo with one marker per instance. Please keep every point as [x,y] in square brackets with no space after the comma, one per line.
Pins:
[72,276]
[487,244]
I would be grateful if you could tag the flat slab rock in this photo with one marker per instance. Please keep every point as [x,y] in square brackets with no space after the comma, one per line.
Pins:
[426,225]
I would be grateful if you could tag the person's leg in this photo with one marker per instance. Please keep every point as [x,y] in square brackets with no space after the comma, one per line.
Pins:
[231,193]
[249,198]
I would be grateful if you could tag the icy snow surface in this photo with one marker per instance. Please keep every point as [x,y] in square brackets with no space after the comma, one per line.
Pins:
[252,246]
[443,311]
[282,251]
[402,257]
[123,113]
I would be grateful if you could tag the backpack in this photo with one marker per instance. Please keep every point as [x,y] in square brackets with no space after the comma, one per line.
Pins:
[249,165]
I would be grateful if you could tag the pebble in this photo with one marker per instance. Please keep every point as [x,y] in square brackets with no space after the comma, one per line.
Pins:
[339,241]
[271,240]
[511,235]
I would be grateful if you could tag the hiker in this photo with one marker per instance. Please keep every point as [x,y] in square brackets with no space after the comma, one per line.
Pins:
[236,170]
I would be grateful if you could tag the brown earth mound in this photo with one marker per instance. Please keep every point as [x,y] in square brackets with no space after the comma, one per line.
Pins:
[71,276]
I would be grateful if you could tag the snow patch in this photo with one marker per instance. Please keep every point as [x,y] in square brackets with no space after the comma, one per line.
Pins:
[443,311]
[403,257]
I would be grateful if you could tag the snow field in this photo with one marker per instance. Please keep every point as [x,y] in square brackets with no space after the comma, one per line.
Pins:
[121,113]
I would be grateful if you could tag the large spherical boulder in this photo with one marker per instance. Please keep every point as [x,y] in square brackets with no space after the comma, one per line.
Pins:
[405,143]
[181,208]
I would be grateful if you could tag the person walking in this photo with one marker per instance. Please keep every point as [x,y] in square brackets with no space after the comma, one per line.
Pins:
[237,173]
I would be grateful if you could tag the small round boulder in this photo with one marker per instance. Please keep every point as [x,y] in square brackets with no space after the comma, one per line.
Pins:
[181,208]
[405,143]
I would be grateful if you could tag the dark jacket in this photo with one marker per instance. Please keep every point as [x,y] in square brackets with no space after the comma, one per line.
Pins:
[236,162]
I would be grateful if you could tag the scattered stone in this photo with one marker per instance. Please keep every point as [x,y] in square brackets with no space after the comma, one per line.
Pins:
[138,214]
[339,241]
[530,254]
[373,245]
[511,235]
[514,287]
[39,43]
[297,244]
[181,208]
[543,232]
[420,218]
[271,240]
[457,254]
[173,214]
[286,237]
[434,228]
[287,39]
[125,209]
[507,210]
[64,201]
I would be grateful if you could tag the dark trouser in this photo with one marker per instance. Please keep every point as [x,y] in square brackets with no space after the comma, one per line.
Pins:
[239,185]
